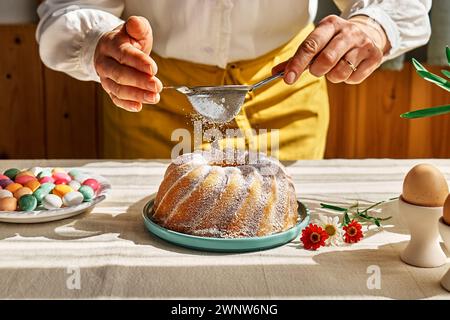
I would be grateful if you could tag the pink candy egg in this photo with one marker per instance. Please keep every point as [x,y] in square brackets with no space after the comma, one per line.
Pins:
[24,179]
[61,181]
[91,183]
[61,175]
[3,177]
[46,179]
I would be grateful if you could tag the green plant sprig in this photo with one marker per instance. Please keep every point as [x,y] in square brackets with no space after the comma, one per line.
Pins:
[360,214]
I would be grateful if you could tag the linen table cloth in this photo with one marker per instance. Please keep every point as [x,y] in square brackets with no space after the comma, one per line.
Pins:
[114,256]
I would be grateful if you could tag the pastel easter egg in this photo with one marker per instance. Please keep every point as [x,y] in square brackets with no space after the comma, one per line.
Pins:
[73,198]
[61,190]
[24,173]
[81,178]
[4,177]
[75,185]
[92,183]
[87,192]
[4,183]
[35,170]
[27,203]
[24,179]
[46,179]
[61,181]
[8,204]
[5,194]
[56,170]
[44,173]
[21,192]
[51,202]
[74,172]
[43,190]
[13,187]
[11,173]
[61,175]
[33,185]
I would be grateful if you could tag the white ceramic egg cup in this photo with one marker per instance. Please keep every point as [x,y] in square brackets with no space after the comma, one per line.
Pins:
[424,249]
[444,229]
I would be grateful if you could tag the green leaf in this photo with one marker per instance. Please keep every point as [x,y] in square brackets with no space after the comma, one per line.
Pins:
[331,207]
[377,222]
[417,65]
[446,73]
[447,50]
[428,112]
[431,77]
[346,219]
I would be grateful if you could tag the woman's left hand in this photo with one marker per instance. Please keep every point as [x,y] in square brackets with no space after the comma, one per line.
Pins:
[342,50]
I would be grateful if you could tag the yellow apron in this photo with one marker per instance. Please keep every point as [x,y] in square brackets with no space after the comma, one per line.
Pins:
[299,112]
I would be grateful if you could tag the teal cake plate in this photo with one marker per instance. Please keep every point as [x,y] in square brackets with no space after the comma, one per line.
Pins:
[226,244]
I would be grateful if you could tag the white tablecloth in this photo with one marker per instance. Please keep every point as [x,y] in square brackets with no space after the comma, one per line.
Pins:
[112,255]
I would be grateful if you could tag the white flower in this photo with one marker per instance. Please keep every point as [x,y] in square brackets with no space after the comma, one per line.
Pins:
[332,226]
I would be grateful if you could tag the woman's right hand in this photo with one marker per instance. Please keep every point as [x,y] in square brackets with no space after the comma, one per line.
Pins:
[122,61]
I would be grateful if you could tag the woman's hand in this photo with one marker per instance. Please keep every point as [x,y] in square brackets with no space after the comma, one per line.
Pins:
[342,50]
[127,73]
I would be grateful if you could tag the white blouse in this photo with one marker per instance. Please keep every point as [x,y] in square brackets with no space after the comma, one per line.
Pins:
[213,32]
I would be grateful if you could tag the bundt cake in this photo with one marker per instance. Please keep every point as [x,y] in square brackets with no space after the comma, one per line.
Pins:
[205,197]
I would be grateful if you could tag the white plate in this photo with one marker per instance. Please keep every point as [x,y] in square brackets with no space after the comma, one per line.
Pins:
[58,214]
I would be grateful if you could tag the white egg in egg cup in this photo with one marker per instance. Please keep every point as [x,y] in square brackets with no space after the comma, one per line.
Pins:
[424,249]
[444,230]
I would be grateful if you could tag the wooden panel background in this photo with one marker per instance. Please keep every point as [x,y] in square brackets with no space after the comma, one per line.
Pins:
[46,114]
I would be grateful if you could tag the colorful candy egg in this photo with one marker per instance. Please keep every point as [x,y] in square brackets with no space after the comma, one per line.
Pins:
[87,192]
[4,177]
[21,192]
[74,172]
[46,179]
[73,198]
[51,202]
[24,179]
[61,190]
[43,190]
[56,170]
[44,173]
[27,203]
[75,185]
[61,181]
[92,183]
[8,204]
[5,194]
[13,187]
[25,173]
[11,173]
[33,185]
[4,183]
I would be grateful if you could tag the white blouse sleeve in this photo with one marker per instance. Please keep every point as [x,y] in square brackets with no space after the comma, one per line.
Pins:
[405,22]
[69,30]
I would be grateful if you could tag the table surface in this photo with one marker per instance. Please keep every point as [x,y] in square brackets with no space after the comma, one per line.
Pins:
[112,255]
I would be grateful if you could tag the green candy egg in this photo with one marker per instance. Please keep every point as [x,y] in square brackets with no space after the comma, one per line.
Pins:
[11,173]
[74,172]
[27,202]
[87,192]
[43,190]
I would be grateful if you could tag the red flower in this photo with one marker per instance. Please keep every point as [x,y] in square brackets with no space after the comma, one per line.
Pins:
[353,232]
[313,237]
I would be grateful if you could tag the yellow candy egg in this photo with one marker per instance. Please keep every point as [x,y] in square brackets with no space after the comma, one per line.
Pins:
[61,189]
[56,170]
[8,204]
[13,187]
[21,192]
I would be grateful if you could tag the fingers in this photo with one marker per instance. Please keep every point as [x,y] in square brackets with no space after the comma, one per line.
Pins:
[125,75]
[313,44]
[132,106]
[125,53]
[140,30]
[342,70]
[331,55]
[365,69]
[124,92]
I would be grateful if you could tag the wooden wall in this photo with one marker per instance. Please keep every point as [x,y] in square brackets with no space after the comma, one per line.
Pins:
[46,114]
